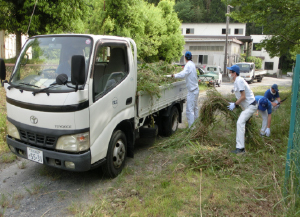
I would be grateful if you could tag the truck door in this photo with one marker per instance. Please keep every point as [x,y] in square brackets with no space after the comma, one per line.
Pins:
[113,92]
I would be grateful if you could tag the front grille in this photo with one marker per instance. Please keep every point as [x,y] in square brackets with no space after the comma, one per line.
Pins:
[38,139]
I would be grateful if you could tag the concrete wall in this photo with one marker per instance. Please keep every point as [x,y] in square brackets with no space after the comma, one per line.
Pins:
[8,45]
[214,57]
[213,28]
[264,54]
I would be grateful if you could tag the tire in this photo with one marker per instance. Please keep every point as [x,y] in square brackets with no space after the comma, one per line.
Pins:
[116,154]
[219,84]
[170,124]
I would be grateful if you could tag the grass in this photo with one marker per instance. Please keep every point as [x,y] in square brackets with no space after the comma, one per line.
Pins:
[5,155]
[204,170]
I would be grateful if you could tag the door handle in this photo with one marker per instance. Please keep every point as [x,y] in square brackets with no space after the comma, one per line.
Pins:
[129,101]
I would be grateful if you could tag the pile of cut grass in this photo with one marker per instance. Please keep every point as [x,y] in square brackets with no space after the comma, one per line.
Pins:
[152,75]
[214,114]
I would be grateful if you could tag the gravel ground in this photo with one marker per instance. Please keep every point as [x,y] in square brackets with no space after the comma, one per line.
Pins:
[38,190]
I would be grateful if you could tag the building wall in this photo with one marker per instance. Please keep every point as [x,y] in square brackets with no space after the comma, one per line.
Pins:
[213,52]
[213,29]
[267,60]
[8,45]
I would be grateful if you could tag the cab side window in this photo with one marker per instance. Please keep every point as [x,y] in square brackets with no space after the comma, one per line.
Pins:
[110,68]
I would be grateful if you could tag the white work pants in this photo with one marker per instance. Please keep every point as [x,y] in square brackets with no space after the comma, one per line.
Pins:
[241,123]
[264,115]
[192,110]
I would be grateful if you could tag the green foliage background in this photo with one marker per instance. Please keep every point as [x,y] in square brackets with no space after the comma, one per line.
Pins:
[155,29]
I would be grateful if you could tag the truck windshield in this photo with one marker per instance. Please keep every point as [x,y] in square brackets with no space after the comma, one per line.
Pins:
[244,67]
[43,58]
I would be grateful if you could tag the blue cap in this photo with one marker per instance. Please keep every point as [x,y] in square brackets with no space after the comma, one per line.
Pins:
[275,87]
[263,104]
[235,68]
[188,55]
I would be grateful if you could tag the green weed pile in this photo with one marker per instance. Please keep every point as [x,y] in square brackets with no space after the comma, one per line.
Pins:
[151,76]
[213,115]
[213,135]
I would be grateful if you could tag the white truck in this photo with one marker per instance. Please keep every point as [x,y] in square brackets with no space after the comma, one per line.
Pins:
[248,72]
[212,75]
[72,102]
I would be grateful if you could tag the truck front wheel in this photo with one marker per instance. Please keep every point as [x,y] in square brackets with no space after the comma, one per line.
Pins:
[170,124]
[116,154]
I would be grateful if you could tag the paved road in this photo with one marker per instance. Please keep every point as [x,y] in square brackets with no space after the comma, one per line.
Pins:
[227,86]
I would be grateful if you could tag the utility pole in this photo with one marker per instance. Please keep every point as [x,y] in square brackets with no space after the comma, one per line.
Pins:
[227,24]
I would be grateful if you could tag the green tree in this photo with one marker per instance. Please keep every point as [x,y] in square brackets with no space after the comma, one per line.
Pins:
[55,16]
[279,18]
[155,29]
[184,11]
[256,60]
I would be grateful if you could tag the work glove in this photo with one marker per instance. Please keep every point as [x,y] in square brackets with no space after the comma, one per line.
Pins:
[231,106]
[268,132]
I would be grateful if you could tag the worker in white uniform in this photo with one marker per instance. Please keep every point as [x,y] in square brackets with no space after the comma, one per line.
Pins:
[190,74]
[265,110]
[246,99]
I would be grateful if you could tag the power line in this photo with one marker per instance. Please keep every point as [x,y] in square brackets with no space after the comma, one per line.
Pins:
[31,16]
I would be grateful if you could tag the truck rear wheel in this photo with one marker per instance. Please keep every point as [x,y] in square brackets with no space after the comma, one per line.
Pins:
[116,154]
[170,123]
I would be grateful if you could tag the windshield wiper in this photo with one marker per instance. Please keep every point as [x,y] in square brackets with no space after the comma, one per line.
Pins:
[46,88]
[21,84]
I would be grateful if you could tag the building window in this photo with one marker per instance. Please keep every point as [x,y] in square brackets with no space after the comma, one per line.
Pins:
[269,65]
[189,31]
[255,48]
[206,48]
[224,31]
[202,59]
[238,31]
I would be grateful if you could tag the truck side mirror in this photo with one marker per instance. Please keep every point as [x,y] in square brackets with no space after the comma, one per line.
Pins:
[2,71]
[78,70]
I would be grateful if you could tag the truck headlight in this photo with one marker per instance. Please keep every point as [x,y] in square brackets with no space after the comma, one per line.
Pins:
[75,143]
[12,130]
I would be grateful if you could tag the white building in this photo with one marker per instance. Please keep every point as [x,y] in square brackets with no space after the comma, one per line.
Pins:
[8,45]
[207,41]
[269,64]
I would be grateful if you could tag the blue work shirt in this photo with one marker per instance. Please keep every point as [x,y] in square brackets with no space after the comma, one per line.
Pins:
[269,107]
[270,96]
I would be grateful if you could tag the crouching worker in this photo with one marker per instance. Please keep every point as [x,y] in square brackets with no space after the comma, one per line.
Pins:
[272,95]
[246,99]
[265,110]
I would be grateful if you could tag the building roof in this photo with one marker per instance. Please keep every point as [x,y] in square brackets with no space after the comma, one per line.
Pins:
[219,37]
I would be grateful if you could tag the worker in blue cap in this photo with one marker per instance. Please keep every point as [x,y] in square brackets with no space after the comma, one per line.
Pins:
[245,98]
[265,110]
[272,95]
[190,74]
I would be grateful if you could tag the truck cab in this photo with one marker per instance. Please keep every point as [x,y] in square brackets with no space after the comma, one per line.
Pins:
[249,73]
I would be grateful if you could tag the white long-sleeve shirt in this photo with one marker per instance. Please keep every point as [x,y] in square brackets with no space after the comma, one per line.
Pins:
[190,74]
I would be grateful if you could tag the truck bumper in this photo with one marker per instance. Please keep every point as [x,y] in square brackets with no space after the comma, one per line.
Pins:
[82,162]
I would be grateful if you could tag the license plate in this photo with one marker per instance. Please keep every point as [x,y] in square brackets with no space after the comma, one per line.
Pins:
[35,155]
[207,82]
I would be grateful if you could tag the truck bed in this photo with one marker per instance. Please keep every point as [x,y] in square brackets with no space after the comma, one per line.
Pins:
[260,72]
[147,105]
